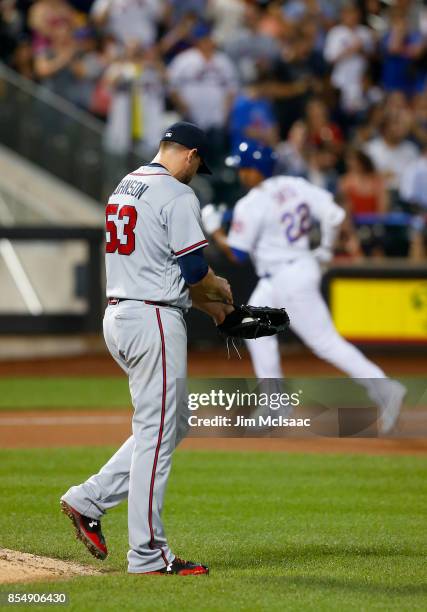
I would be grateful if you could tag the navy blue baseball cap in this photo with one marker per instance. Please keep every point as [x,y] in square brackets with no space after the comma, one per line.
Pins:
[192,137]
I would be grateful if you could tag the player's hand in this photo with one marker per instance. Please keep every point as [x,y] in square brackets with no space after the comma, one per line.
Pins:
[322,254]
[216,310]
[212,217]
[212,288]
[224,290]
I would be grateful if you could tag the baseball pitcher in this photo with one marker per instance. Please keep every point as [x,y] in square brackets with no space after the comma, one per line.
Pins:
[155,271]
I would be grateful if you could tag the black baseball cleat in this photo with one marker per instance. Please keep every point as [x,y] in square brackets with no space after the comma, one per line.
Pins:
[88,531]
[181,568]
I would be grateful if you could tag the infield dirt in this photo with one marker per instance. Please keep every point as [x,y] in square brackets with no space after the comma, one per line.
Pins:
[18,566]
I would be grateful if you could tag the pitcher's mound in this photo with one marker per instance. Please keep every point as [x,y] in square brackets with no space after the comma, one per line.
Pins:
[17,566]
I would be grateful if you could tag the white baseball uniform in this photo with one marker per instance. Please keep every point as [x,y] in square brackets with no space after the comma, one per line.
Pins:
[151,220]
[272,223]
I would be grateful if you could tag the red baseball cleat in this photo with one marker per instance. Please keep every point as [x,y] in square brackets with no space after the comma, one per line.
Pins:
[88,531]
[181,568]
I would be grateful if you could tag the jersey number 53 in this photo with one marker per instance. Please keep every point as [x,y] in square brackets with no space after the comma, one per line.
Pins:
[120,229]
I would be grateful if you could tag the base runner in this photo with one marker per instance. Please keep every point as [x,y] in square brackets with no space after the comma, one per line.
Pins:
[155,271]
[271,225]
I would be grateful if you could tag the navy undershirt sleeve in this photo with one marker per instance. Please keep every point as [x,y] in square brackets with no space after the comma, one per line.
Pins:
[193,266]
[241,256]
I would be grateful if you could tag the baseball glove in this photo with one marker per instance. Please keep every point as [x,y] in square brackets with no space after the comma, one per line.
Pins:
[254,322]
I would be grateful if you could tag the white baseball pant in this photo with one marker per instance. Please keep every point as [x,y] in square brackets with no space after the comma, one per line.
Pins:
[296,287]
[150,344]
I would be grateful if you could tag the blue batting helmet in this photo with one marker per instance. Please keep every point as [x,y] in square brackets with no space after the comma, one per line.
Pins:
[254,155]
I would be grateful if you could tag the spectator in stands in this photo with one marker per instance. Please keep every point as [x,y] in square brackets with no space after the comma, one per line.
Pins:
[396,105]
[401,47]
[419,110]
[177,10]
[272,22]
[362,188]
[23,60]
[249,49]
[370,127]
[320,129]
[252,117]
[324,12]
[321,167]
[88,66]
[413,192]
[296,75]
[49,20]
[310,28]
[177,37]
[348,46]
[203,85]
[362,191]
[137,108]
[227,18]
[371,95]
[291,153]
[391,152]
[53,62]
[413,187]
[129,20]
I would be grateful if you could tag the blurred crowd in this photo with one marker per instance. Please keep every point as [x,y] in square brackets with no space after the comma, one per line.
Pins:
[338,88]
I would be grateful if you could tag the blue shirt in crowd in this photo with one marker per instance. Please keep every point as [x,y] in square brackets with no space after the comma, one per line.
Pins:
[400,72]
[249,112]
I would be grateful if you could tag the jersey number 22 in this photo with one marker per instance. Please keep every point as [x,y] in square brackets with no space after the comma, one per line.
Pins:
[126,218]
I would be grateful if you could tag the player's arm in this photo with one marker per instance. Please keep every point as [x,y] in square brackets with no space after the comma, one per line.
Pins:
[237,244]
[187,241]
[212,217]
[208,291]
[330,216]
[205,285]
[236,256]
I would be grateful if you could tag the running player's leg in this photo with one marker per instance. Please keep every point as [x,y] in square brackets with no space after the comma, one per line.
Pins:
[297,290]
[312,322]
[296,287]
[264,352]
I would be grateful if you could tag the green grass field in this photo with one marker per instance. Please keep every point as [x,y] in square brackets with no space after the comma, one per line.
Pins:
[28,393]
[279,531]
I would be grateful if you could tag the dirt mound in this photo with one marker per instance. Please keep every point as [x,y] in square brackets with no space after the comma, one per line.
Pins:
[17,566]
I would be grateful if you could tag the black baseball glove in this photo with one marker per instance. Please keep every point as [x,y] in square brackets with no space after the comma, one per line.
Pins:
[254,322]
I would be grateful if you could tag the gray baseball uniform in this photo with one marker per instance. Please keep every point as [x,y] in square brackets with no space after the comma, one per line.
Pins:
[151,220]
